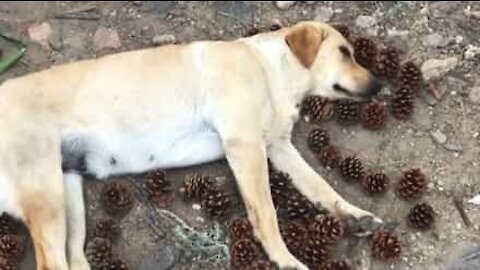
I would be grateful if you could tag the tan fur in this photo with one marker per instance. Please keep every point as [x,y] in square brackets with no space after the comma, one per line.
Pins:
[305,42]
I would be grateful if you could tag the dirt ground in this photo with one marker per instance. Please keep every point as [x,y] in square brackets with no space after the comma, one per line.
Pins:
[443,138]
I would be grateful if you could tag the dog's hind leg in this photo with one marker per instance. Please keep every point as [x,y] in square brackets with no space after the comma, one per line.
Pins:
[76,224]
[285,157]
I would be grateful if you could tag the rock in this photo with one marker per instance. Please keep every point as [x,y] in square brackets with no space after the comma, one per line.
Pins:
[434,68]
[471,52]
[475,200]
[454,146]
[474,95]
[397,33]
[163,39]
[367,23]
[324,14]
[434,40]
[40,33]
[438,137]
[106,38]
[284,5]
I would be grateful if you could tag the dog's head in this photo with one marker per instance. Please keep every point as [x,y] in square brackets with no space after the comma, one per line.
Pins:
[329,57]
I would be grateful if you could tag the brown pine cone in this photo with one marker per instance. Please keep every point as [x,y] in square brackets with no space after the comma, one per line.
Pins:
[7,224]
[99,253]
[316,109]
[314,252]
[244,252]
[217,203]
[365,51]
[317,139]
[347,111]
[11,247]
[387,62]
[158,188]
[117,265]
[329,156]
[293,234]
[344,30]
[197,187]
[299,207]
[6,264]
[262,265]
[280,187]
[402,103]
[116,198]
[410,76]
[352,169]
[327,227]
[105,228]
[240,228]
[373,115]
[413,184]
[385,245]
[421,216]
[336,265]
[376,183]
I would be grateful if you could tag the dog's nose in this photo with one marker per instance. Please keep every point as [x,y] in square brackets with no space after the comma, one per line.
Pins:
[373,88]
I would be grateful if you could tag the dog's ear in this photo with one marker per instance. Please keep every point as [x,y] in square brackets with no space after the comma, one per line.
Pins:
[304,41]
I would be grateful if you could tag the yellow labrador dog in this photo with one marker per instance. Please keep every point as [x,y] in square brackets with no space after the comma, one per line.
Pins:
[166,107]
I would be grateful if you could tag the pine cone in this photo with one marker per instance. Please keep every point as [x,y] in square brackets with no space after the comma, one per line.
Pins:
[240,229]
[410,76]
[280,188]
[365,51]
[316,109]
[314,252]
[7,224]
[11,247]
[402,103]
[329,156]
[244,252]
[413,184]
[116,198]
[336,265]
[327,227]
[375,183]
[105,228]
[158,188]
[385,245]
[197,187]
[217,203]
[293,234]
[251,31]
[262,265]
[352,168]
[421,216]
[373,115]
[344,30]
[347,111]
[317,139]
[387,62]
[99,253]
[117,265]
[6,264]
[299,207]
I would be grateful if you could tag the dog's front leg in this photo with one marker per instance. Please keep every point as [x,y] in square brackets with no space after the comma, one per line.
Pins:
[248,161]
[285,157]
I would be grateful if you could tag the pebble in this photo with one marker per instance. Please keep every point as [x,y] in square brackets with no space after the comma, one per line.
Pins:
[106,38]
[434,68]
[454,146]
[163,39]
[397,33]
[434,40]
[471,52]
[284,5]
[367,23]
[40,34]
[438,137]
[324,14]
[474,95]
[196,206]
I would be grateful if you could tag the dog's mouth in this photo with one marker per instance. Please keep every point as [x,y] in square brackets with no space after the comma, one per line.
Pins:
[337,87]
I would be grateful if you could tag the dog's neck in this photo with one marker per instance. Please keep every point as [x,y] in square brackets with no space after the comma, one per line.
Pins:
[288,80]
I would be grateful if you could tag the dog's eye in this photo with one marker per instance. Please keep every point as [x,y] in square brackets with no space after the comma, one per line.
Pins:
[345,51]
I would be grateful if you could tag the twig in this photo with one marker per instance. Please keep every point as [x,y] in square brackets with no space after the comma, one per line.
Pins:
[78,16]
[460,208]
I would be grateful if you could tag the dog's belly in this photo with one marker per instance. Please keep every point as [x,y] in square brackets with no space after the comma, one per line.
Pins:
[113,154]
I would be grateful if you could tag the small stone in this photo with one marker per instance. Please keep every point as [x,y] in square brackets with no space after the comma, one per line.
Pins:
[324,14]
[284,5]
[438,136]
[458,39]
[106,38]
[397,33]
[368,23]
[40,34]
[434,68]
[454,147]
[196,206]
[471,52]
[163,39]
[434,40]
